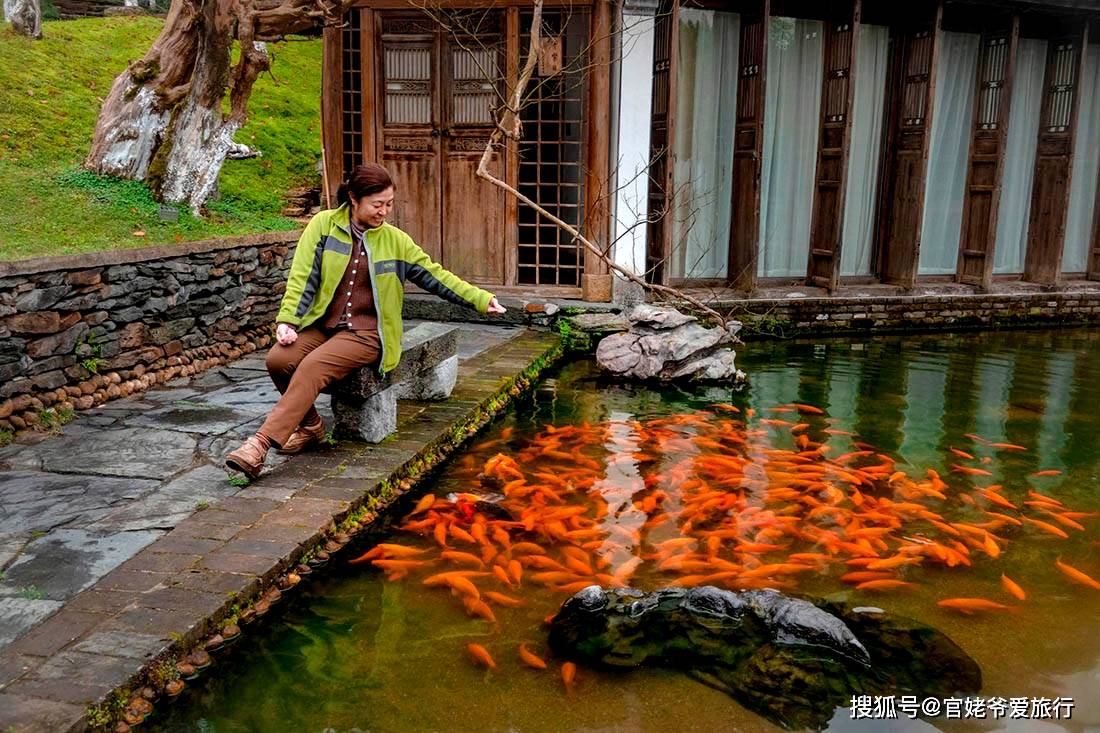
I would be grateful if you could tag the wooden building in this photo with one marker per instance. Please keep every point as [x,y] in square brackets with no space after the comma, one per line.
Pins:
[739,143]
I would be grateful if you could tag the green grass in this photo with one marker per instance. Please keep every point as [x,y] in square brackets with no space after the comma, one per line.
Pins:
[50,94]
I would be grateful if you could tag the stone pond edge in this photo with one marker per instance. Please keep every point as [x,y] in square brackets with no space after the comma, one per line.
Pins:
[359,516]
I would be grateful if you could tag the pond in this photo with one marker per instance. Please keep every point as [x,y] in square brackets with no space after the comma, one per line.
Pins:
[894,472]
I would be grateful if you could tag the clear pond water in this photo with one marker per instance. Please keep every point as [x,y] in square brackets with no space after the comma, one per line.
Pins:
[984,413]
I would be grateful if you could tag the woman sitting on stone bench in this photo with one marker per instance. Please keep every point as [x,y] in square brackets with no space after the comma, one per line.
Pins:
[342,310]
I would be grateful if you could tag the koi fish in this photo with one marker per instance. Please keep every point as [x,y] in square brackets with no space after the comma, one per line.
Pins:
[477,607]
[1048,472]
[883,585]
[1076,575]
[569,676]
[530,658]
[969,470]
[1012,587]
[425,503]
[971,606]
[502,600]
[481,656]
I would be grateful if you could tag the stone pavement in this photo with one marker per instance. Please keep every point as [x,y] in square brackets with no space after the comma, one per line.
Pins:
[113,534]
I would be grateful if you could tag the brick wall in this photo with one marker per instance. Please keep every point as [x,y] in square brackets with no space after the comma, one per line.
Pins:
[137,317]
[900,313]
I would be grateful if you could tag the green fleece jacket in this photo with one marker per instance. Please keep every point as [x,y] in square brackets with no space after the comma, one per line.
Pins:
[323,253]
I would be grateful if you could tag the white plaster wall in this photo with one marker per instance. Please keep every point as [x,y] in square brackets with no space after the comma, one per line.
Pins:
[631,133]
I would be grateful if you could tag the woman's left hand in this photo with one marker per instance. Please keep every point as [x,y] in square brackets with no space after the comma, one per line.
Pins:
[495,307]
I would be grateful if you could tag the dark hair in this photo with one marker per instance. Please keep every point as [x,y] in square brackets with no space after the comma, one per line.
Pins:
[364,180]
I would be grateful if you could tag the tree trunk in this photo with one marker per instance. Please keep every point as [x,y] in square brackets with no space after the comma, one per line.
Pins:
[133,118]
[163,121]
[25,17]
[201,135]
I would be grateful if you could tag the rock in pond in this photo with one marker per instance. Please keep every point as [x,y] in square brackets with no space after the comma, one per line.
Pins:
[665,344]
[791,660]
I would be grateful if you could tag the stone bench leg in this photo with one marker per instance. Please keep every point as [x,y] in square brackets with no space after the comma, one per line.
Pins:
[369,420]
[436,383]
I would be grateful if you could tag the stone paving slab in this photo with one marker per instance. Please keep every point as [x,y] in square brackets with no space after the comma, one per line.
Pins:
[122,536]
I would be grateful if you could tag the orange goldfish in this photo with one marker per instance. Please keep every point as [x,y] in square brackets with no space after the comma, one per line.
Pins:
[481,656]
[1012,587]
[569,676]
[530,658]
[1076,575]
[972,605]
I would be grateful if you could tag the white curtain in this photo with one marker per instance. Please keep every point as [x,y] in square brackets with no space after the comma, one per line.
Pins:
[1023,138]
[861,188]
[952,122]
[1086,161]
[706,108]
[792,106]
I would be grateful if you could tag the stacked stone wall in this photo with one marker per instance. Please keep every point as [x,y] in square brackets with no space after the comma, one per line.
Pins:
[77,331]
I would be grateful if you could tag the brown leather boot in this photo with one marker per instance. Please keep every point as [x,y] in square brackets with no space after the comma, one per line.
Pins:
[249,458]
[306,436]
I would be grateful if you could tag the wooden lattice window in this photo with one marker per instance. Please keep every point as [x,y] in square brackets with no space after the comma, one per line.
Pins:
[408,74]
[838,73]
[1063,79]
[473,90]
[992,69]
[352,94]
[918,68]
[748,83]
[551,156]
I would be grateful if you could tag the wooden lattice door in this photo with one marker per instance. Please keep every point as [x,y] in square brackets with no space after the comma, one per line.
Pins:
[440,79]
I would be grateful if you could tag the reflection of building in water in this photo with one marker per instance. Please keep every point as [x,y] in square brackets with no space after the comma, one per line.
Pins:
[858,141]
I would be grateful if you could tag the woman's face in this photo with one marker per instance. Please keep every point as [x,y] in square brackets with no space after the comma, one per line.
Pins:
[372,210]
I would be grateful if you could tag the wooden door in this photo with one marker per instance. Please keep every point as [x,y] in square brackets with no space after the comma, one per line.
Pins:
[440,83]
[662,107]
[912,90]
[473,209]
[748,147]
[410,124]
[987,153]
[1054,159]
[839,50]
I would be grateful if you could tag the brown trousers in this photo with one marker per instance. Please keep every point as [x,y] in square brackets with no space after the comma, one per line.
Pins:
[316,359]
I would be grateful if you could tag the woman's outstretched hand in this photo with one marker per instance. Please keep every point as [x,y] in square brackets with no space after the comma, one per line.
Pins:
[285,334]
[495,307]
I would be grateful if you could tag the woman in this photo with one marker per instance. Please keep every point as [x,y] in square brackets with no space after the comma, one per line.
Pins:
[342,310]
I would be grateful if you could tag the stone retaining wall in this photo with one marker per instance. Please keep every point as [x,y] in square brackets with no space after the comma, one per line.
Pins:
[77,331]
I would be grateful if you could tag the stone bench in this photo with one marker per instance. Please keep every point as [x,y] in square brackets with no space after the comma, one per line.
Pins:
[364,404]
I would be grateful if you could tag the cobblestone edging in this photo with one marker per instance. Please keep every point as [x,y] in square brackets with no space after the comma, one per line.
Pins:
[787,317]
[78,331]
[229,562]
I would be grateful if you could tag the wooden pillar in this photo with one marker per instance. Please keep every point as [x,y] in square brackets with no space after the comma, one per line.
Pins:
[985,168]
[1054,159]
[511,154]
[660,200]
[834,139]
[332,149]
[748,146]
[369,68]
[596,279]
[912,90]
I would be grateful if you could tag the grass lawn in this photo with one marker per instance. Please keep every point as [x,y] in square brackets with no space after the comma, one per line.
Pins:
[50,93]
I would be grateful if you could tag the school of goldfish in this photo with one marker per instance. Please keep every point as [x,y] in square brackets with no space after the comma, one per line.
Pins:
[710,498]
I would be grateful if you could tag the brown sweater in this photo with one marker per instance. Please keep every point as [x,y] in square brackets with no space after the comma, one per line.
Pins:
[352,305]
